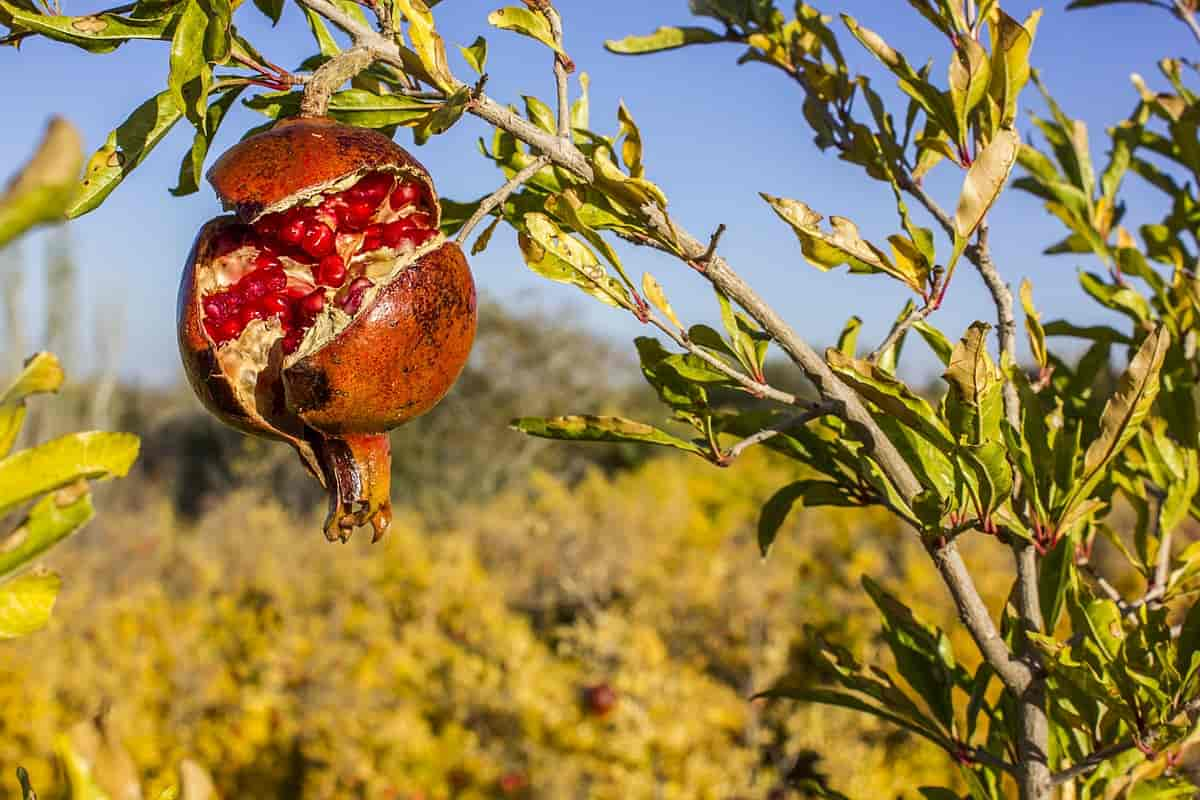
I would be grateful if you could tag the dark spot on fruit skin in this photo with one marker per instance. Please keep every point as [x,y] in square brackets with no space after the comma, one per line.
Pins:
[308,387]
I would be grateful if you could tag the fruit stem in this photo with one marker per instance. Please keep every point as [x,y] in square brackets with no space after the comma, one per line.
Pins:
[358,476]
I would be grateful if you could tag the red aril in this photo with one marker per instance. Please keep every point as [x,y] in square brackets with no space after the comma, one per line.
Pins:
[331,271]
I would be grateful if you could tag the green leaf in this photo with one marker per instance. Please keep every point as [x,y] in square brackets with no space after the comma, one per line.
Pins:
[218,35]
[810,493]
[54,464]
[26,603]
[842,245]
[526,23]
[192,168]
[444,116]
[358,107]
[190,76]
[96,33]
[1123,415]
[936,340]
[631,147]
[975,385]
[560,257]
[273,9]
[1033,325]
[52,519]
[970,73]
[922,651]
[985,180]
[891,396]
[1124,299]
[326,44]
[847,342]
[911,82]
[602,429]
[27,792]
[1056,576]
[476,54]
[42,190]
[665,38]
[126,147]
[833,697]
[42,374]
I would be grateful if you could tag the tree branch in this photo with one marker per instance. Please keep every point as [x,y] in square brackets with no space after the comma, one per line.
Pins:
[498,197]
[814,411]
[749,384]
[1014,674]
[1184,11]
[330,76]
[560,72]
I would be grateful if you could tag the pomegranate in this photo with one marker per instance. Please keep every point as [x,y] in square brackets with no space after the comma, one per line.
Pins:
[328,309]
[600,699]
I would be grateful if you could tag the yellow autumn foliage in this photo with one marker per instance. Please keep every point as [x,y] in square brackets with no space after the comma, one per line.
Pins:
[445,659]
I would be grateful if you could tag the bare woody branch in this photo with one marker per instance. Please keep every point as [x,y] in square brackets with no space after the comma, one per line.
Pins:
[814,411]
[497,198]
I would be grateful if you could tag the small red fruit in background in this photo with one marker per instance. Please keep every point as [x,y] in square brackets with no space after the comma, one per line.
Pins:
[600,699]
[513,783]
[299,320]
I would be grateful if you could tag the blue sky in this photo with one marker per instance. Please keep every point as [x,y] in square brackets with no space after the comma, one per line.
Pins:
[715,134]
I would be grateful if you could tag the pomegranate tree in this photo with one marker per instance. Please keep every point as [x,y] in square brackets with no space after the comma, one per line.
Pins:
[328,308]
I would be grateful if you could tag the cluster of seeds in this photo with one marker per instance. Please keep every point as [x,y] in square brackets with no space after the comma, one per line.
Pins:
[289,265]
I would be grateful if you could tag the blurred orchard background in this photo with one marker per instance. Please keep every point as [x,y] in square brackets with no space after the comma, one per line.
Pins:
[204,617]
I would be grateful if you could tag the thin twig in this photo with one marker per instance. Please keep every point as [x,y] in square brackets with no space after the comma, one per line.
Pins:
[497,198]
[713,241]
[982,756]
[902,327]
[1184,11]
[1110,591]
[1145,741]
[560,72]
[814,411]
[756,388]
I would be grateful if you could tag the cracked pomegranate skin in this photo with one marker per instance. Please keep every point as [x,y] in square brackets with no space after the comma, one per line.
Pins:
[331,386]
[270,167]
[364,381]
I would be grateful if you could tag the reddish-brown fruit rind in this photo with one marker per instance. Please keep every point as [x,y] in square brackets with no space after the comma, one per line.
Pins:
[297,155]
[364,382]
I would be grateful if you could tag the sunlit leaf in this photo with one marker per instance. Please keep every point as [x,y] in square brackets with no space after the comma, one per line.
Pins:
[41,192]
[26,602]
[601,429]
[665,38]
[985,180]
[526,22]
[126,147]
[51,519]
[476,54]
[58,462]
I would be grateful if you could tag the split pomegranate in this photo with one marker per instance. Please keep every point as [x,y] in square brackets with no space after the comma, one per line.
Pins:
[329,308]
